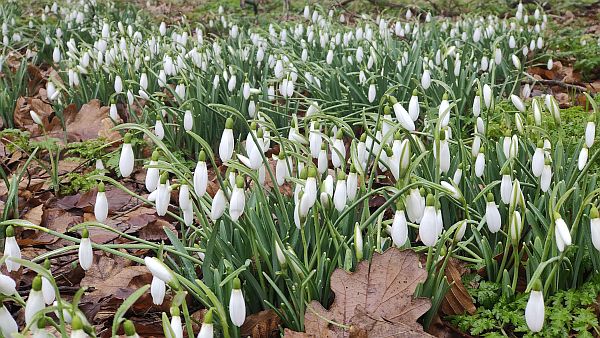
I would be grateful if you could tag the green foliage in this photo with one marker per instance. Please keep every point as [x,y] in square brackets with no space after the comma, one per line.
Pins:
[15,139]
[78,182]
[567,312]
[89,150]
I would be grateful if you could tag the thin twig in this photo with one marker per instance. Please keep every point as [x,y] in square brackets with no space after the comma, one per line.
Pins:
[554,83]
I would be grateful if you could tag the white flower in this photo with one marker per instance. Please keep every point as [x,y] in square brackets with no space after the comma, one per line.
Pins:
[314,139]
[7,285]
[358,242]
[101,205]
[518,103]
[537,161]
[188,120]
[85,253]
[426,79]
[207,330]
[218,205]
[338,151]
[158,269]
[340,194]
[534,311]
[35,302]
[237,307]
[126,159]
[415,205]
[36,118]
[159,129]
[201,176]
[561,233]
[583,157]
[505,188]
[476,106]
[176,326]
[372,93]
[8,325]
[492,215]
[546,177]
[403,117]
[399,230]
[157,290]
[537,111]
[352,184]
[590,133]
[48,291]
[184,197]
[238,200]
[515,226]
[428,228]
[163,196]
[310,193]
[479,164]
[227,141]
[487,95]
[11,250]
[118,85]
[595,227]
[444,111]
[413,106]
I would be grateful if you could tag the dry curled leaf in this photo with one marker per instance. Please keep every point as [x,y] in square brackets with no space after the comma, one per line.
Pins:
[375,301]
[264,324]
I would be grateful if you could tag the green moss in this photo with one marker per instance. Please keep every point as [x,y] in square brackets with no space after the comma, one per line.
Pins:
[568,313]
[74,183]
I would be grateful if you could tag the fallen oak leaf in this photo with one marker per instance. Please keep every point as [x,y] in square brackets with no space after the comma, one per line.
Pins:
[377,296]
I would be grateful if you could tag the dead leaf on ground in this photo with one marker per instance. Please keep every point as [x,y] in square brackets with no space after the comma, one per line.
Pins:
[376,295]
[264,324]
[457,300]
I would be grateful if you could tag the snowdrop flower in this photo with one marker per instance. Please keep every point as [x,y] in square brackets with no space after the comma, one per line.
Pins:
[372,92]
[126,159]
[492,215]
[338,150]
[444,111]
[188,120]
[546,177]
[535,311]
[218,205]
[35,302]
[516,61]
[413,106]
[595,227]
[358,242]
[314,139]
[415,205]
[399,229]
[480,163]
[47,288]
[402,115]
[77,328]
[340,194]
[152,174]
[506,185]
[237,307]
[238,200]
[227,141]
[428,228]
[129,329]
[552,106]
[537,161]
[176,326]
[590,132]
[113,112]
[476,106]
[352,183]
[201,175]
[7,285]
[207,330]
[36,118]
[537,111]
[313,108]
[118,85]
[11,249]
[8,325]
[426,79]
[85,253]
[184,197]
[101,205]
[231,83]
[457,174]
[158,289]
[322,161]
[163,195]
[309,197]
[326,191]
[561,233]
[550,64]
[158,269]
[515,226]
[518,103]
[444,153]
[487,95]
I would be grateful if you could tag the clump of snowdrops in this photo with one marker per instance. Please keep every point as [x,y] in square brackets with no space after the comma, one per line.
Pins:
[300,129]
